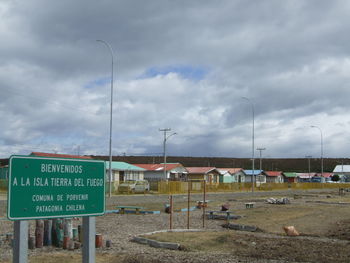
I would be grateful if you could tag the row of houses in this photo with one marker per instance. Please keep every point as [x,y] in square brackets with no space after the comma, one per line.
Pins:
[121,171]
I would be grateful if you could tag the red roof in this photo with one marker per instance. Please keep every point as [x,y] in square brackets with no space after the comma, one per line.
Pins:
[60,155]
[326,175]
[273,173]
[199,170]
[158,166]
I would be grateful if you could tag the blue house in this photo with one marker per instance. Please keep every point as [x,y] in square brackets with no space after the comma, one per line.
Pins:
[260,176]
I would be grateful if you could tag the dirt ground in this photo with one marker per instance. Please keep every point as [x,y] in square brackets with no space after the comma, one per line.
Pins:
[322,218]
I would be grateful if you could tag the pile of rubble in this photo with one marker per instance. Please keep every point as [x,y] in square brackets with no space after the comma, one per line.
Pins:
[278,201]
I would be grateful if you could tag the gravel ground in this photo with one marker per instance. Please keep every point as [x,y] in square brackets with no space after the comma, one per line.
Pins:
[121,228]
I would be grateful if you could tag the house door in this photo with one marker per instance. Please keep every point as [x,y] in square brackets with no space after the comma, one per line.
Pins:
[121,176]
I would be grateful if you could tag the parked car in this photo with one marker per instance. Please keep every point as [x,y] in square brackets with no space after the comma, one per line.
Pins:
[141,186]
[132,186]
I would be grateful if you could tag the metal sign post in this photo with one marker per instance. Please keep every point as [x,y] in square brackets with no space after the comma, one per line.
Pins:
[89,233]
[20,245]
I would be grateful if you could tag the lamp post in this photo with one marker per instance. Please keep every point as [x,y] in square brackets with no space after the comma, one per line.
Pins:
[313,126]
[309,156]
[253,178]
[111,114]
[165,130]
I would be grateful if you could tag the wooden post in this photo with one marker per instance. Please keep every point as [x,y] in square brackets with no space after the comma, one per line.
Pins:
[171,212]
[39,234]
[204,202]
[188,204]
[47,232]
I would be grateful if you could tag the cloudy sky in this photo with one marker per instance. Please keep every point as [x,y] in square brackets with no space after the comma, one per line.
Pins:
[183,65]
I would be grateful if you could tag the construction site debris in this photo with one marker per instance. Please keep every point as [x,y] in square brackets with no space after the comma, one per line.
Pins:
[278,201]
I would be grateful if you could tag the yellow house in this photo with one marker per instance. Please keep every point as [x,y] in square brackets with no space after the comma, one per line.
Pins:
[209,174]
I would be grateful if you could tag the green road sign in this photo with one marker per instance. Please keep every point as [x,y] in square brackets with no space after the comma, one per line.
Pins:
[42,187]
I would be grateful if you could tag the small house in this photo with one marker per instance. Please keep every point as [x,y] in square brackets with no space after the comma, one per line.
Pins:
[209,174]
[122,172]
[259,175]
[290,177]
[305,177]
[231,175]
[274,176]
[164,172]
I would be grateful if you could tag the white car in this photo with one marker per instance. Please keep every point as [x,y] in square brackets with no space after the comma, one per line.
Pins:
[132,186]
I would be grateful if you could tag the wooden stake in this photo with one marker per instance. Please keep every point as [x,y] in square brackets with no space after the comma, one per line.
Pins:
[171,212]
[188,204]
[204,202]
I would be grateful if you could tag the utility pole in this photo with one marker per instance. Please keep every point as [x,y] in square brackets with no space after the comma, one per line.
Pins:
[260,150]
[309,156]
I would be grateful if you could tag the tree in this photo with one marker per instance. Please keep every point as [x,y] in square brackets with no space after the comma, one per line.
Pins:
[335,178]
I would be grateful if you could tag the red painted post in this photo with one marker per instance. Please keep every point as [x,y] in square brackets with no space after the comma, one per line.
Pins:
[66,240]
[98,241]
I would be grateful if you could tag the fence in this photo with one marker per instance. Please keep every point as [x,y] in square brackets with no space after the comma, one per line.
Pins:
[165,187]
[176,187]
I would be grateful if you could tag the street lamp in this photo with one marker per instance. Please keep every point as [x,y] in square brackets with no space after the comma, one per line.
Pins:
[165,130]
[313,126]
[253,178]
[111,114]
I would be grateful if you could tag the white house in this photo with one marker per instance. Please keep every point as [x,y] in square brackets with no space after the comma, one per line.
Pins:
[173,172]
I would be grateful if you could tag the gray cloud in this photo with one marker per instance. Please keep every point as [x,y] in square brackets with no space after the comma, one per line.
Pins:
[290,58]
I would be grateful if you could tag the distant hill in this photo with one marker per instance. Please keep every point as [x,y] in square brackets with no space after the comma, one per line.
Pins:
[269,164]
